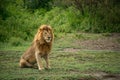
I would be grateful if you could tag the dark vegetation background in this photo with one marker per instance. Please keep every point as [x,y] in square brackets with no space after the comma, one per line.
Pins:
[19,19]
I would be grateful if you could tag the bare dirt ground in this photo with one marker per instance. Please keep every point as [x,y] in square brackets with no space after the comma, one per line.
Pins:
[106,76]
[111,42]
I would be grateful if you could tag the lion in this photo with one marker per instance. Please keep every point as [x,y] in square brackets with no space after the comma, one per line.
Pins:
[40,48]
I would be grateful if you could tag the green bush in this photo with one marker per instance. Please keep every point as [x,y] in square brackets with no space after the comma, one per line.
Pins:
[15,41]
[61,20]
[4,35]
[64,18]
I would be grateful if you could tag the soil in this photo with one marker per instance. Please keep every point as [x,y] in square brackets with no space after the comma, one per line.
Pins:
[107,43]
[106,76]
[111,42]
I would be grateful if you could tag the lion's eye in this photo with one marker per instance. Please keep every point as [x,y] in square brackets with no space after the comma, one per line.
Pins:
[45,33]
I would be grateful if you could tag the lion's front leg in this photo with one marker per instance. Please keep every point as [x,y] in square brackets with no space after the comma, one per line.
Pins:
[39,61]
[47,61]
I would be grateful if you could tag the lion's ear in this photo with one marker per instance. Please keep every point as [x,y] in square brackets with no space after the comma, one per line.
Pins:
[39,29]
[37,36]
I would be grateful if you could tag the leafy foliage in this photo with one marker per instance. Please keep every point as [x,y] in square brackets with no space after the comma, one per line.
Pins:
[21,18]
[14,41]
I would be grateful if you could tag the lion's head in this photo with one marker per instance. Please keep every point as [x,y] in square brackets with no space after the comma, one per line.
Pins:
[44,34]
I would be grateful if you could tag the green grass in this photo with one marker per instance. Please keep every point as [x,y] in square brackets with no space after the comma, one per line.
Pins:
[65,65]
[78,65]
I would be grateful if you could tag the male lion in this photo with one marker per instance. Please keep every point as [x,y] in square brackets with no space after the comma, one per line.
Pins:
[40,47]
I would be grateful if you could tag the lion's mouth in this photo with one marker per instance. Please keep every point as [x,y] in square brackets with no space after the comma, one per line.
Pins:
[48,40]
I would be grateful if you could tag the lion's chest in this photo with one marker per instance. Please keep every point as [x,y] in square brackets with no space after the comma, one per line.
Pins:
[44,49]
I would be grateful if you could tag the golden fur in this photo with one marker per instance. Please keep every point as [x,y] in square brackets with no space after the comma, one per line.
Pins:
[41,47]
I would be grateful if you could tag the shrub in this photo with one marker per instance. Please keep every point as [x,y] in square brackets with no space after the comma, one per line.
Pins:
[64,17]
[3,35]
[15,41]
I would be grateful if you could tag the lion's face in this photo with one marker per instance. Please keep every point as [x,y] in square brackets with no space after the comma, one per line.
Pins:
[44,34]
[47,36]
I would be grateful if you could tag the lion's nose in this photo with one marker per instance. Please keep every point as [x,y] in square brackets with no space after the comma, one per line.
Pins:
[48,37]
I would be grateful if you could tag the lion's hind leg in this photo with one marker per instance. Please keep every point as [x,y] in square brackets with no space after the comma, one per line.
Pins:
[24,64]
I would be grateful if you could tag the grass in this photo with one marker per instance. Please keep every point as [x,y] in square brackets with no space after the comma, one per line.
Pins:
[67,66]
[75,65]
